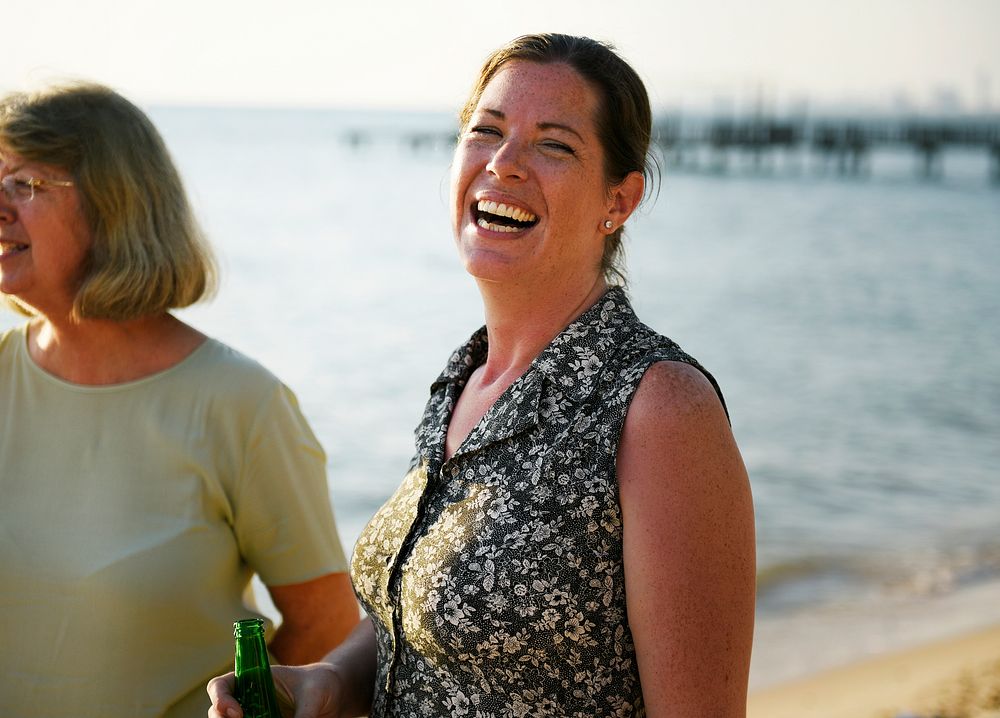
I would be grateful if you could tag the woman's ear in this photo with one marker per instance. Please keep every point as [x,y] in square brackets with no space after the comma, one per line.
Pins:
[625,197]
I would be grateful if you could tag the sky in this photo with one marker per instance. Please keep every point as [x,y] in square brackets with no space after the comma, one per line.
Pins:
[918,55]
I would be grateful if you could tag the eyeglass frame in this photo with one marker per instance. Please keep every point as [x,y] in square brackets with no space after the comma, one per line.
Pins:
[11,185]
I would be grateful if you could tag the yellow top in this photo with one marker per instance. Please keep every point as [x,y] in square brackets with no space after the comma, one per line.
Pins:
[132,518]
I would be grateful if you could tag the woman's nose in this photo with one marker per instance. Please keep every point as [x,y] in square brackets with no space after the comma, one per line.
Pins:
[507,162]
[7,211]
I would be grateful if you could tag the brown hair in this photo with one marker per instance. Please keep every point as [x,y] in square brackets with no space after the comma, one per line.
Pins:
[148,253]
[624,121]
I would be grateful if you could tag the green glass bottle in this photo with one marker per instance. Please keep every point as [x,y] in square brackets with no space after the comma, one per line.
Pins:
[254,684]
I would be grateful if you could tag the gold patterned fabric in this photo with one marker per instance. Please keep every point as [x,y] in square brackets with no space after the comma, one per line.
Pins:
[495,580]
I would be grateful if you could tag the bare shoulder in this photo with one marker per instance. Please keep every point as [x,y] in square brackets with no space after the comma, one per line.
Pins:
[675,404]
[676,438]
[674,389]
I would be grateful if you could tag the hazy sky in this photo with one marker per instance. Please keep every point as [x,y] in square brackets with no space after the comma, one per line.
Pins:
[928,54]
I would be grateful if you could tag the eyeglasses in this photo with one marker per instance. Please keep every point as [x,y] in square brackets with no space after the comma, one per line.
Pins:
[22,190]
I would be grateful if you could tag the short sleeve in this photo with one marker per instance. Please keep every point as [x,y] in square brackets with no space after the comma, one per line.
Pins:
[282,514]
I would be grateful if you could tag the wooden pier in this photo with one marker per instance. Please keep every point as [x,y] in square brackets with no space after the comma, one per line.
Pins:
[840,145]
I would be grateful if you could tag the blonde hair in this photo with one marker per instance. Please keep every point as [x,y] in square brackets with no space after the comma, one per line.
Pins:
[148,253]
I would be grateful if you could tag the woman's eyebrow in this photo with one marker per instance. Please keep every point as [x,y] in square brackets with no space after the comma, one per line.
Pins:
[541,125]
[559,126]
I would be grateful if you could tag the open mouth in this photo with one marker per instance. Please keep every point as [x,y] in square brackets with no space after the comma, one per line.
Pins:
[8,248]
[498,217]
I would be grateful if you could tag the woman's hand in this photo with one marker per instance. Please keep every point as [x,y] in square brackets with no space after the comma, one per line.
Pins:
[338,687]
[311,691]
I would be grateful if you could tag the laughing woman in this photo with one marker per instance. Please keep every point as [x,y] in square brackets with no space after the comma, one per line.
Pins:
[146,470]
[575,534]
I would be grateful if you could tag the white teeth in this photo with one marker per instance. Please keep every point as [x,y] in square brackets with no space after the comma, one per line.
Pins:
[504,210]
[496,227]
[11,247]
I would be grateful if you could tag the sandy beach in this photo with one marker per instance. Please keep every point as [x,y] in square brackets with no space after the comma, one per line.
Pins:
[954,678]
[929,657]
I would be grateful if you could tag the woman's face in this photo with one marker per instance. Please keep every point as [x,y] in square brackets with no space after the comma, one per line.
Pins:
[44,241]
[528,192]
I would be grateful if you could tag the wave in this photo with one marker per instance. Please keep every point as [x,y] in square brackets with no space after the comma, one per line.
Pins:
[804,582]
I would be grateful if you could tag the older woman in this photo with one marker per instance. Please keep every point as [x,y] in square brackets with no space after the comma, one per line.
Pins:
[575,534]
[146,471]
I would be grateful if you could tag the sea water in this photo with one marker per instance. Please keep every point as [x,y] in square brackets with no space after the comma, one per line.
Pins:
[852,323]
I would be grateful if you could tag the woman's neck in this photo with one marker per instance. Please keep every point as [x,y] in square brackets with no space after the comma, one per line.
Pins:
[101,352]
[521,324]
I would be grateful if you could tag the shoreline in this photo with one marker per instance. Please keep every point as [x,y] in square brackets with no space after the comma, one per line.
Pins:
[957,677]
[792,646]
[903,656]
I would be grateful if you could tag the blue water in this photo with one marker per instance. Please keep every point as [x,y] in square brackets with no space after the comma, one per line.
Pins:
[852,324]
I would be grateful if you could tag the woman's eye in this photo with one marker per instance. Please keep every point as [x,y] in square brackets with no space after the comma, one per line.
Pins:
[16,186]
[484,130]
[558,146]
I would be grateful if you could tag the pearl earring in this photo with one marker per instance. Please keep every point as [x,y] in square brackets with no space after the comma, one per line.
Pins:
[608,224]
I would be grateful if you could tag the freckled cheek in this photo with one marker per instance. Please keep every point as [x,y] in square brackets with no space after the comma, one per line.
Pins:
[456,201]
[462,173]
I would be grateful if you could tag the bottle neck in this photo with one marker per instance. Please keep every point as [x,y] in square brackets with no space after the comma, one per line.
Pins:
[248,628]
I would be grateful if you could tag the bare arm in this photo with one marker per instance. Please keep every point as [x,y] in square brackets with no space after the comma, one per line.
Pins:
[688,546]
[339,686]
[315,617]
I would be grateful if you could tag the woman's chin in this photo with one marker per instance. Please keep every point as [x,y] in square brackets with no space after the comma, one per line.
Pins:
[490,266]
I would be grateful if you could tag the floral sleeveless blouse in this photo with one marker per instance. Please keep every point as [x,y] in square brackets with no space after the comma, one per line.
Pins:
[494,580]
